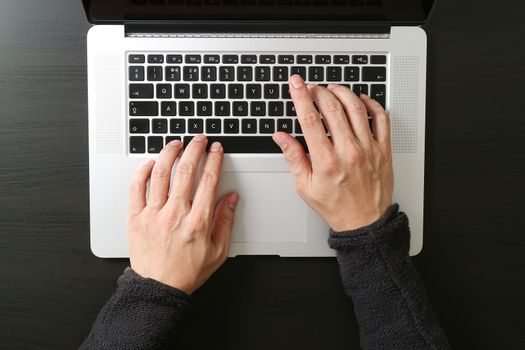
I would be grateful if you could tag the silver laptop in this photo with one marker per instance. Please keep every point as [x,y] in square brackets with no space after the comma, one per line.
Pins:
[160,70]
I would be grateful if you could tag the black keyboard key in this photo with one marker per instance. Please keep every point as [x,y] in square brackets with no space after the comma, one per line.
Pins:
[226,73]
[280,73]
[136,59]
[266,126]
[139,126]
[163,90]
[267,59]
[218,90]
[235,91]
[334,74]
[315,73]
[323,59]
[209,73]
[146,109]
[341,59]
[244,73]
[174,59]
[168,108]
[156,59]
[285,59]
[253,91]
[192,59]
[290,109]
[191,73]
[159,126]
[249,126]
[136,73]
[186,108]
[304,59]
[262,73]
[359,89]
[285,125]
[351,73]
[285,92]
[172,138]
[297,125]
[242,144]
[258,109]
[378,59]
[213,126]
[178,126]
[230,59]
[271,91]
[140,90]
[182,90]
[155,144]
[359,59]
[199,91]
[378,93]
[222,109]
[248,59]
[155,73]
[240,109]
[204,109]
[172,73]
[276,109]
[212,59]
[300,71]
[374,73]
[302,141]
[137,144]
[231,126]
[195,126]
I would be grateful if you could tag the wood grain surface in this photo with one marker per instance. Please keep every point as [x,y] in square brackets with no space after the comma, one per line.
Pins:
[473,260]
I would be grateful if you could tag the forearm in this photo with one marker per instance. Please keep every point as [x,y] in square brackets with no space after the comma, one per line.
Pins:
[141,314]
[389,298]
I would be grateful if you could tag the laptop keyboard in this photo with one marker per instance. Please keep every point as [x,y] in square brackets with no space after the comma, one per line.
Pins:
[239,100]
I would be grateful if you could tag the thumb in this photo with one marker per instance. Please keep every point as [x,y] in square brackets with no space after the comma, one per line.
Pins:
[223,219]
[299,163]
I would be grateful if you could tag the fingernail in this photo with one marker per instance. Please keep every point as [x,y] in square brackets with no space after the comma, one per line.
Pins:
[278,141]
[311,86]
[175,143]
[365,96]
[297,81]
[232,202]
[200,138]
[215,147]
[331,86]
[148,163]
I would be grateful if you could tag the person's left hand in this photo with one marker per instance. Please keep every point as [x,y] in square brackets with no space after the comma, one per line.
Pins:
[173,239]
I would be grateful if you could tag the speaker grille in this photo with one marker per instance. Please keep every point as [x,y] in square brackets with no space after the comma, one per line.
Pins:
[405,100]
[108,104]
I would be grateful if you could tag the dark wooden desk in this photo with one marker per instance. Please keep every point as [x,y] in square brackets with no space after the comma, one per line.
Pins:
[473,260]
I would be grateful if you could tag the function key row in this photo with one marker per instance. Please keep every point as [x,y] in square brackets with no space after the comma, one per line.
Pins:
[264,59]
[258,73]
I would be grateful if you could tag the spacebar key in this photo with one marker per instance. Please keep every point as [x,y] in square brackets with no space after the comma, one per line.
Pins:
[242,144]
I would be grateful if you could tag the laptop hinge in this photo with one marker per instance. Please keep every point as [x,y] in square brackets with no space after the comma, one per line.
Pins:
[256,29]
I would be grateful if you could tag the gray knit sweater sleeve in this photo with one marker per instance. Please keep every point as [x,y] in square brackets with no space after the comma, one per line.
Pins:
[389,298]
[141,314]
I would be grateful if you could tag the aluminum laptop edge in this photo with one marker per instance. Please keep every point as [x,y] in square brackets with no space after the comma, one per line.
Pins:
[271,218]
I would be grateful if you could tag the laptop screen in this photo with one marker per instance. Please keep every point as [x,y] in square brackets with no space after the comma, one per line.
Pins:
[391,11]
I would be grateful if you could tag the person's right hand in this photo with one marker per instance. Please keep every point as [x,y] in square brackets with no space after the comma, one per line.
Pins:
[349,179]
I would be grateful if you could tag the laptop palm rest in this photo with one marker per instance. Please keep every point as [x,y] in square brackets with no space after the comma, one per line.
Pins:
[269,209]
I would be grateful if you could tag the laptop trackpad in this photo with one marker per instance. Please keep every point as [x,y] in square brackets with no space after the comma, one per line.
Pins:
[269,209]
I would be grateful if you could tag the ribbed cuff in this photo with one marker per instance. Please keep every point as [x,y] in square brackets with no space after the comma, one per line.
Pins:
[365,235]
[148,289]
